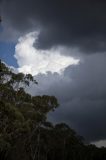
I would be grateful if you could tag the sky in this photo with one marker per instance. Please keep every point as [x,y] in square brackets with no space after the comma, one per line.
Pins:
[63,44]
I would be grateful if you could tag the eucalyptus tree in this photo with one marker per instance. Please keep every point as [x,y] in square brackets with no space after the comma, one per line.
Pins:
[20,113]
[25,133]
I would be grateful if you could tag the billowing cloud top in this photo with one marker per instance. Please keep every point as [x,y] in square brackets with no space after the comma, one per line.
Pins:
[34,61]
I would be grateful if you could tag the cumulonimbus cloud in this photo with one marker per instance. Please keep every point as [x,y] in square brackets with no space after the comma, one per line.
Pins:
[34,61]
[81,92]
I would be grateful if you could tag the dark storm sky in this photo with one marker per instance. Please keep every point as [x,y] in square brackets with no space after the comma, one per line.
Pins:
[68,22]
[77,24]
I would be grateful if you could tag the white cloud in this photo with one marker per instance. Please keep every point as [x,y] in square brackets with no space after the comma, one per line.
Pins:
[34,61]
[101,143]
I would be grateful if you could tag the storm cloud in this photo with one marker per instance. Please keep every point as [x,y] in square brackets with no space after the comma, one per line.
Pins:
[74,23]
[79,27]
[81,92]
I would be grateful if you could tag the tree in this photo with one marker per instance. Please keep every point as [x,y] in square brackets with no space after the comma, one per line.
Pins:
[20,113]
[25,132]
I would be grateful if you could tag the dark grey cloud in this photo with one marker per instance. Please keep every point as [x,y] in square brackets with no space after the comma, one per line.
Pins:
[73,23]
[0,1]
[81,92]
[76,24]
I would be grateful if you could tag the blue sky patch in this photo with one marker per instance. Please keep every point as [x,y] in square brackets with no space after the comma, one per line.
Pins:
[7,51]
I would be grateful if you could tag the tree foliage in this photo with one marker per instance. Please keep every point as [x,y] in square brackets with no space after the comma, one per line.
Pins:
[25,133]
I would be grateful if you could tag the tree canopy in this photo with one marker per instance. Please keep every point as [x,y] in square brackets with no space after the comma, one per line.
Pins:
[26,134]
